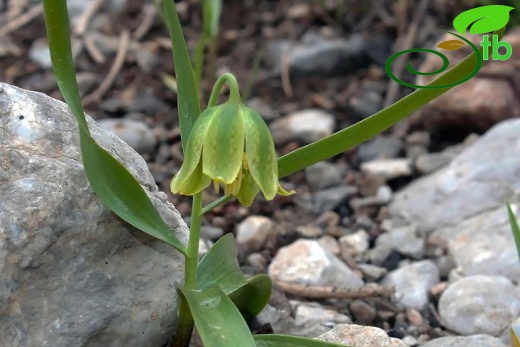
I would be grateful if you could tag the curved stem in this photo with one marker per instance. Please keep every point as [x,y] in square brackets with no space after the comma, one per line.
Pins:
[234,92]
[191,260]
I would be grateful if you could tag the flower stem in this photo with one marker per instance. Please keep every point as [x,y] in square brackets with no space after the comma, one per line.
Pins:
[191,261]
[234,92]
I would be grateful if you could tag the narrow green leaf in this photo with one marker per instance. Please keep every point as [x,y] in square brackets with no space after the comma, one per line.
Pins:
[218,321]
[366,129]
[118,189]
[514,227]
[115,186]
[220,267]
[212,9]
[188,104]
[274,340]
[58,35]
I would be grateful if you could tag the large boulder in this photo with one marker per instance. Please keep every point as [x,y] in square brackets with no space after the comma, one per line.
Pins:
[463,205]
[71,272]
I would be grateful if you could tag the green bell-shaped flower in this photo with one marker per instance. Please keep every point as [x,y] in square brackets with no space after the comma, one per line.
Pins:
[231,145]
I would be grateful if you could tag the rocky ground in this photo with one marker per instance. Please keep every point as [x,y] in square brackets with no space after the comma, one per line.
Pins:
[419,208]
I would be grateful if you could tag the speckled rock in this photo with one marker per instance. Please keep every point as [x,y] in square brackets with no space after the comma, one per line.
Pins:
[412,283]
[71,273]
[463,204]
[306,126]
[465,341]
[480,305]
[360,336]
[306,262]
[253,232]
[137,134]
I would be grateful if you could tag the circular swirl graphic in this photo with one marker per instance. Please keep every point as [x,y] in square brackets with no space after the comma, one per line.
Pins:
[444,67]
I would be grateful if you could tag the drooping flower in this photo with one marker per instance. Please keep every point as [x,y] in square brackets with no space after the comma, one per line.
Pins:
[231,145]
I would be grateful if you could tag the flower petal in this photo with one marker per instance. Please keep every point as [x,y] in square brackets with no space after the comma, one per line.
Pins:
[192,154]
[197,182]
[260,153]
[248,190]
[224,144]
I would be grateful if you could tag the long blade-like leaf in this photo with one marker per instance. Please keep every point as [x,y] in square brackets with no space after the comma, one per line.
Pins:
[188,104]
[220,267]
[373,125]
[274,340]
[218,321]
[514,227]
[115,186]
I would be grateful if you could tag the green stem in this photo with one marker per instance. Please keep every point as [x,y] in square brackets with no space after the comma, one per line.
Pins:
[191,260]
[234,91]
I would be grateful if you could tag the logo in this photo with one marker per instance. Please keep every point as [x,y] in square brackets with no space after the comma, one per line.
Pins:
[480,21]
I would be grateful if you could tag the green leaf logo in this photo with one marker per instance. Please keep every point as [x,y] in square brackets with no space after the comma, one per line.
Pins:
[482,19]
[451,45]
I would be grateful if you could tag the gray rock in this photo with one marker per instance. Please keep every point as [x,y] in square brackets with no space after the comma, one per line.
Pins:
[306,262]
[254,231]
[360,336]
[480,305]
[263,108]
[463,204]
[477,180]
[382,147]
[379,254]
[323,175]
[481,340]
[40,55]
[388,168]
[306,126]
[356,243]
[483,245]
[406,239]
[430,162]
[316,55]
[314,314]
[71,272]
[412,283]
[328,199]
[210,232]
[372,273]
[136,134]
[366,102]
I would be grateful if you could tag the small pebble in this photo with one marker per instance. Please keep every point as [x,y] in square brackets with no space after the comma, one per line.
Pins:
[136,134]
[253,232]
[388,168]
[306,126]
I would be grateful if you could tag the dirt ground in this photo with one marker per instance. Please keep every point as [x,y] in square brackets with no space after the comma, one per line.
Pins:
[248,30]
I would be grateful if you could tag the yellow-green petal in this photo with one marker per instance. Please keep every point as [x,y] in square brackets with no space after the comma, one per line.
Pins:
[248,190]
[197,182]
[260,153]
[192,155]
[224,144]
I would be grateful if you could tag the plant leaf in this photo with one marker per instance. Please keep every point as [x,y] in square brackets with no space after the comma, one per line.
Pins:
[218,321]
[451,45]
[188,104]
[220,267]
[275,340]
[514,227]
[483,19]
[114,185]
[378,122]
[212,10]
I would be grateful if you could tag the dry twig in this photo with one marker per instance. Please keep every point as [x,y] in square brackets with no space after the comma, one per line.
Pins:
[22,20]
[114,69]
[332,292]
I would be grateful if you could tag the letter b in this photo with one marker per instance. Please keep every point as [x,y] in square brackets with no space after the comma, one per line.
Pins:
[496,46]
